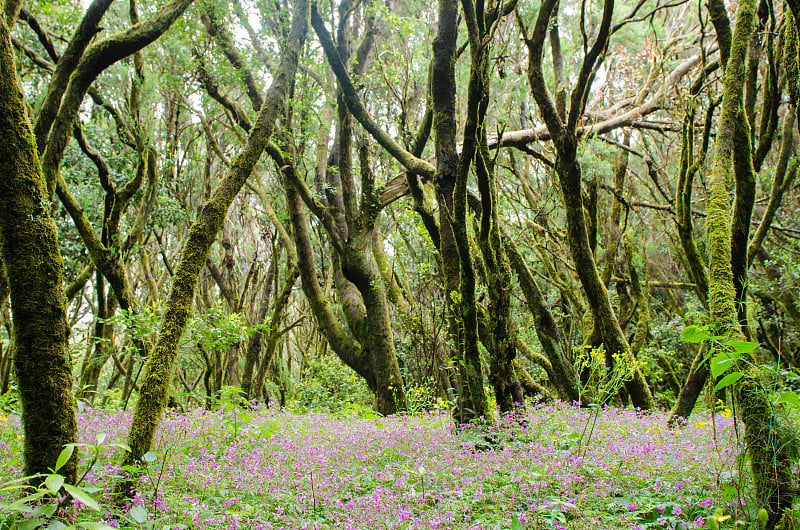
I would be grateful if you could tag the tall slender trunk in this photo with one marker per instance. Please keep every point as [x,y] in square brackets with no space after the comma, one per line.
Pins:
[202,234]
[765,437]
[33,267]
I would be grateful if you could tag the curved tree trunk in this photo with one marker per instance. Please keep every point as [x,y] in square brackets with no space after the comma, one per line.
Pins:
[570,176]
[202,234]
[33,267]
[546,330]
[766,443]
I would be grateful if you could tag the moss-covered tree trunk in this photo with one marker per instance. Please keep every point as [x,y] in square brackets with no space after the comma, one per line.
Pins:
[766,443]
[450,178]
[202,234]
[256,341]
[570,177]
[33,267]
[563,374]
[451,189]
[501,341]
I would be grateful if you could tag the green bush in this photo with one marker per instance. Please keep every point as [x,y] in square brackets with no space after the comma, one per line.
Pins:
[327,385]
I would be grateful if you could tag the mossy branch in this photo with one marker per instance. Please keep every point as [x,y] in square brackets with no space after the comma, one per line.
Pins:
[87,29]
[94,60]
[356,107]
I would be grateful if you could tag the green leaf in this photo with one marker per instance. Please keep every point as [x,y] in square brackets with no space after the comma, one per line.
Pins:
[14,487]
[101,437]
[54,482]
[742,346]
[516,524]
[46,510]
[149,457]
[729,493]
[64,457]
[728,380]
[722,361]
[31,524]
[694,333]
[22,504]
[81,496]
[138,514]
[58,525]
[763,516]
[790,397]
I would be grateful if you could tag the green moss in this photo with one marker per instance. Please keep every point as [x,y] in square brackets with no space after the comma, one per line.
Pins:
[33,267]
[770,446]
[791,60]
[766,445]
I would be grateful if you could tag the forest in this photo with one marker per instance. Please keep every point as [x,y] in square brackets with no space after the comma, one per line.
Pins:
[282,264]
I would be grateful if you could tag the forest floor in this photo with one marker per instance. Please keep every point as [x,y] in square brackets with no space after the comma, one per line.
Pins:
[558,467]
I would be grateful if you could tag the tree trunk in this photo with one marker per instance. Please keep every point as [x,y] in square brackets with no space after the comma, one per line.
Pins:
[202,234]
[765,437]
[256,340]
[274,332]
[33,267]
[546,330]
[569,173]
[570,176]
[451,190]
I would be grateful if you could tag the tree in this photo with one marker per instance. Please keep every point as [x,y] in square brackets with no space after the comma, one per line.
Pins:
[562,129]
[159,367]
[33,268]
[769,452]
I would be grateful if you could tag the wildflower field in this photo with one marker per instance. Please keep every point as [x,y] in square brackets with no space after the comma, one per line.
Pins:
[556,467]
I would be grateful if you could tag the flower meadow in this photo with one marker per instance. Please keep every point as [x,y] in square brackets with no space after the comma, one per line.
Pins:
[554,466]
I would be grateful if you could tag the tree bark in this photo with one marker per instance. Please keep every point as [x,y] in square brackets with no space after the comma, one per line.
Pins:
[764,435]
[33,267]
[570,176]
[451,190]
[202,234]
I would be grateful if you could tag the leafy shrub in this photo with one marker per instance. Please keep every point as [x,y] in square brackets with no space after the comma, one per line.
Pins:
[327,385]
